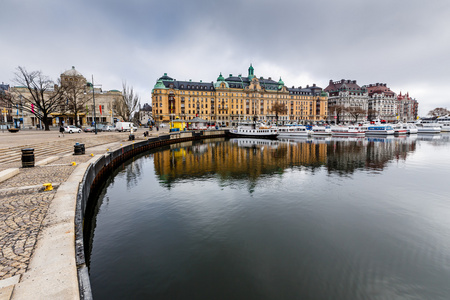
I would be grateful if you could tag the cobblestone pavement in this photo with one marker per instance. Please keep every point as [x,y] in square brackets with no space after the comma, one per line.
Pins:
[21,216]
[23,207]
[24,203]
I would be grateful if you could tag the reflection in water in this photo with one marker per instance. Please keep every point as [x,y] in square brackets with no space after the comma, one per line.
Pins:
[365,218]
[239,159]
[251,159]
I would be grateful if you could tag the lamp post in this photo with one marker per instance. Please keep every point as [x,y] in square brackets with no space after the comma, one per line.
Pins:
[93,99]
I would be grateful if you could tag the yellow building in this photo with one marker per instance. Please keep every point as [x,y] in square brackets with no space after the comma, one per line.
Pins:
[236,98]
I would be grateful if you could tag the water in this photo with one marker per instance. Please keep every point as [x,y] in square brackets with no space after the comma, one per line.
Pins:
[295,219]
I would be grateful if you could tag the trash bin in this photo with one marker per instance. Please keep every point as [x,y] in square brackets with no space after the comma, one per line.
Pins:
[27,158]
[131,137]
[83,150]
[77,149]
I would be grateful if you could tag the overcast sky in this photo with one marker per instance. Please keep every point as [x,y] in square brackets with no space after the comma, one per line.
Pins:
[404,43]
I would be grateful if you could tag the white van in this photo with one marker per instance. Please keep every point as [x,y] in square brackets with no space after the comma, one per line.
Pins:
[125,126]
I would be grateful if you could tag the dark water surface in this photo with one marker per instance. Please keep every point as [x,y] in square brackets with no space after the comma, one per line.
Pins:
[294,219]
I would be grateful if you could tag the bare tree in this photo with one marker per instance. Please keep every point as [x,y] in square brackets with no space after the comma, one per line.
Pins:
[42,96]
[279,109]
[128,104]
[356,112]
[75,97]
[371,114]
[439,111]
[338,111]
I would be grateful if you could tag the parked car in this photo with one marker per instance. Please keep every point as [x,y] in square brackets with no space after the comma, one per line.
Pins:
[71,129]
[106,127]
[89,129]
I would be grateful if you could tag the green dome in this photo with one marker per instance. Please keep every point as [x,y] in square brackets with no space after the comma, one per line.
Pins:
[220,78]
[159,84]
[280,82]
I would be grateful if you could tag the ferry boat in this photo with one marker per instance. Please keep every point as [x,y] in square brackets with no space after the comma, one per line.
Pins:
[399,130]
[293,131]
[425,127]
[321,130]
[444,121]
[254,131]
[347,131]
[410,128]
[380,129]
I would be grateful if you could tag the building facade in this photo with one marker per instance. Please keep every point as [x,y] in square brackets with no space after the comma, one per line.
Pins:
[372,101]
[231,100]
[382,102]
[409,107]
[343,96]
[79,93]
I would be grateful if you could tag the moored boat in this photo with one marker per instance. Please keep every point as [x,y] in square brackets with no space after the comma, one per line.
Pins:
[399,130]
[254,131]
[347,131]
[444,121]
[380,129]
[321,130]
[428,127]
[410,128]
[292,131]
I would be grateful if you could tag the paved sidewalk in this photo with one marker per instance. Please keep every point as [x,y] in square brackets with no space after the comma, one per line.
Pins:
[24,205]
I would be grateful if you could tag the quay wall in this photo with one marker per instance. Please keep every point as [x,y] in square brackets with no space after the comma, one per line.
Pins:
[93,176]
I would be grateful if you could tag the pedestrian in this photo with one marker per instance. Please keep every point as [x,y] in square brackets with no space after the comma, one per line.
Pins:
[157,128]
[61,131]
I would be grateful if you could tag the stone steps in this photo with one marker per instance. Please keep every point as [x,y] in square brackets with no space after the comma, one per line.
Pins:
[45,149]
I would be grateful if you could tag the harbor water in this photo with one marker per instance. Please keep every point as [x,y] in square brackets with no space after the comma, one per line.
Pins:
[316,218]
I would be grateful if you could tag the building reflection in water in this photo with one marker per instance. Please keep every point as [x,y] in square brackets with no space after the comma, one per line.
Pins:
[253,159]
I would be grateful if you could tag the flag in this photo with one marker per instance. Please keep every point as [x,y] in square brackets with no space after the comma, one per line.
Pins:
[100,108]
[32,108]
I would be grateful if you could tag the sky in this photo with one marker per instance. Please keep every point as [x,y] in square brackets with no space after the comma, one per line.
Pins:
[403,43]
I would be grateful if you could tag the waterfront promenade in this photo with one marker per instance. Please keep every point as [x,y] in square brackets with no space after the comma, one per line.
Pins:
[33,222]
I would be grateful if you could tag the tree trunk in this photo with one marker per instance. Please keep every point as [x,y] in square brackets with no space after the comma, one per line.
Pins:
[45,120]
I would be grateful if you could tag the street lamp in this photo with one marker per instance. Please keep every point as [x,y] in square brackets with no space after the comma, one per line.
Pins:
[93,99]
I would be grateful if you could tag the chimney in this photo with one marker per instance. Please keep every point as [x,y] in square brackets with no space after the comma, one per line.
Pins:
[314,85]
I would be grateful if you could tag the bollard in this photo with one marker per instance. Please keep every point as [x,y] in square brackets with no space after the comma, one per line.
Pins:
[48,187]
[27,158]
[77,150]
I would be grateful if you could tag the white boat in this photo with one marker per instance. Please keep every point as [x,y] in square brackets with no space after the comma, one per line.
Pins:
[347,131]
[254,131]
[444,121]
[428,127]
[410,128]
[399,130]
[293,131]
[380,129]
[364,127]
[321,130]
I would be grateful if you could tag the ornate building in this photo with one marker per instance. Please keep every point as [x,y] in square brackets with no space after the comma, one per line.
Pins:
[237,98]
[382,102]
[80,94]
[373,101]
[344,95]
[409,107]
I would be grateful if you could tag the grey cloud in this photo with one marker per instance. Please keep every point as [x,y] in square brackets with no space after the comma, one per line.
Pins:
[402,43]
